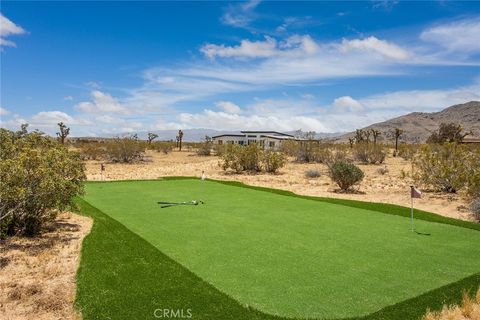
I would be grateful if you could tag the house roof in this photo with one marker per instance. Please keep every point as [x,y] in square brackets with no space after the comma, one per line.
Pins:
[229,135]
[269,132]
[286,137]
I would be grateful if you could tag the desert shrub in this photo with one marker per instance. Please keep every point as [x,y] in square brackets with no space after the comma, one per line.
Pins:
[232,158]
[272,161]
[91,151]
[164,146]
[382,170]
[345,174]
[38,176]
[442,167]
[312,173]
[125,149]
[251,158]
[407,151]
[219,149]
[205,148]
[365,152]
[290,147]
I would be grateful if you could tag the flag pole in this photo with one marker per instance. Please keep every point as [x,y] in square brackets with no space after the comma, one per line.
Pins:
[411,214]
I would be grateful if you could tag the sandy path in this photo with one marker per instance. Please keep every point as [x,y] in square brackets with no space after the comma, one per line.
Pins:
[386,188]
[38,275]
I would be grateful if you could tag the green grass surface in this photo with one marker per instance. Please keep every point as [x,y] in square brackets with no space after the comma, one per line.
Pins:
[282,255]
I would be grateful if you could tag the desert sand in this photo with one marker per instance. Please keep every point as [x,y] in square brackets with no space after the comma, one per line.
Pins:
[391,187]
[37,275]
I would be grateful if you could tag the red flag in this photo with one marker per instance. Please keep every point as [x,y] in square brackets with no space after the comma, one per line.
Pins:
[415,193]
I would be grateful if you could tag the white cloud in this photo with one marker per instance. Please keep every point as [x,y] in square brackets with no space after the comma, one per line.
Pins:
[422,100]
[68,98]
[294,46]
[241,14]
[247,48]
[102,103]
[372,44]
[227,121]
[46,118]
[4,112]
[461,35]
[347,104]
[228,107]
[8,28]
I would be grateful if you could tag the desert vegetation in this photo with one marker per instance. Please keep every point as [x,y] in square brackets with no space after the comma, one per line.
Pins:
[38,177]
[469,308]
[251,158]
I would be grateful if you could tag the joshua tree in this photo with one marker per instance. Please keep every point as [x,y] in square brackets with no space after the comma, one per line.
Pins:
[397,133]
[180,138]
[64,132]
[359,135]
[351,141]
[151,137]
[367,135]
[375,134]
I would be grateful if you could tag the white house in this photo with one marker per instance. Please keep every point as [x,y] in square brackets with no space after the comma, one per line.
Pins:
[266,139]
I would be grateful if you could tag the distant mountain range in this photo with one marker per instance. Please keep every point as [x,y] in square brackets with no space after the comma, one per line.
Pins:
[418,126]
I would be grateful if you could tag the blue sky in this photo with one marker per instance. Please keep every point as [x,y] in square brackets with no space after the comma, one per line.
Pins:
[111,67]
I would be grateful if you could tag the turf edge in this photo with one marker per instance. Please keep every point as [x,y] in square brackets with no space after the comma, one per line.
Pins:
[103,290]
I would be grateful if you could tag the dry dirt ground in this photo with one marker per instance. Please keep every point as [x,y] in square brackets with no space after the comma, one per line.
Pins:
[37,275]
[391,187]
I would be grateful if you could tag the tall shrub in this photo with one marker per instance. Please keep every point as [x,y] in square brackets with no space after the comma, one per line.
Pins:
[38,176]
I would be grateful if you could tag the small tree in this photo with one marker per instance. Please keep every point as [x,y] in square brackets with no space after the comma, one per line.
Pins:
[64,132]
[351,141]
[151,137]
[375,134]
[397,133]
[359,135]
[448,132]
[345,174]
[180,139]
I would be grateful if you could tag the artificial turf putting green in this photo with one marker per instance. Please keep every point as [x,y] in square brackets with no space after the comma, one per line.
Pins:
[290,256]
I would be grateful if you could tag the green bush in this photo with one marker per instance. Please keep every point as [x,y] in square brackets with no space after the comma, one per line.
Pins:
[345,174]
[125,149]
[38,176]
[232,158]
[272,161]
[443,167]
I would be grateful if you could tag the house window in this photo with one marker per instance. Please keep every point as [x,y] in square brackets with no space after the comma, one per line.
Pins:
[250,141]
[220,141]
[241,142]
[230,142]
[271,144]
